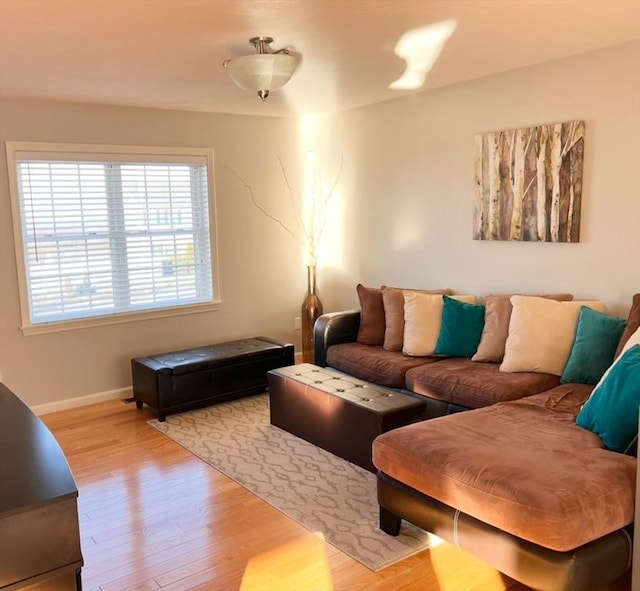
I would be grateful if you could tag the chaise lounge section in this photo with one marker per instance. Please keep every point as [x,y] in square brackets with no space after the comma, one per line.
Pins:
[519,485]
[515,481]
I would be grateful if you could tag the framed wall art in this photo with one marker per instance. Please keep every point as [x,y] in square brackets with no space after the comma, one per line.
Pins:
[529,183]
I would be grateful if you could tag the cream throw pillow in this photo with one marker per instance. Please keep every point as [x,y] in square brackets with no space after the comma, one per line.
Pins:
[496,325]
[422,321]
[393,302]
[541,334]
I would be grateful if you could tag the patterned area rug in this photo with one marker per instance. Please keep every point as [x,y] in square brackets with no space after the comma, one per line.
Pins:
[320,491]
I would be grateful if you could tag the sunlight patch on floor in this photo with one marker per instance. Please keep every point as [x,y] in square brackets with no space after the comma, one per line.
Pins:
[300,564]
[476,575]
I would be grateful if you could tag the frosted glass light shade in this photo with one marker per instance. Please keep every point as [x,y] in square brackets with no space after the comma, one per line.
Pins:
[261,72]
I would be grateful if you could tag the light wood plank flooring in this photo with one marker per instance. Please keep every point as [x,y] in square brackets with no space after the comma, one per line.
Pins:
[154,517]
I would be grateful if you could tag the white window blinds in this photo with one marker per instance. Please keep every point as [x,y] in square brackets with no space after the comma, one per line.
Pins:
[109,237]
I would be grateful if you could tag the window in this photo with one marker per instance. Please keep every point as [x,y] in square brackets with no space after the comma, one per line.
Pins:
[104,231]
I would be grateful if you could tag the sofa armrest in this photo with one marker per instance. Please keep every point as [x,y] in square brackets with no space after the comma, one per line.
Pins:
[331,329]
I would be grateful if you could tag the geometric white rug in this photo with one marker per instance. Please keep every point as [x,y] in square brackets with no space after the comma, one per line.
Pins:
[322,492]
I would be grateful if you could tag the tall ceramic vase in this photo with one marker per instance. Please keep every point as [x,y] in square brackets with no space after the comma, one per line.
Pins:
[311,309]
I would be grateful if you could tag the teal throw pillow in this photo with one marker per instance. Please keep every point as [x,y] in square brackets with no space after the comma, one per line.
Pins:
[594,346]
[612,410]
[461,328]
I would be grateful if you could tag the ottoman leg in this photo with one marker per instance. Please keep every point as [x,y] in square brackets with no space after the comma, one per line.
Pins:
[389,523]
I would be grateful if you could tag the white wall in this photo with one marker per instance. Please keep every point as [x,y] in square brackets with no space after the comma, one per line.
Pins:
[410,185]
[401,213]
[262,275]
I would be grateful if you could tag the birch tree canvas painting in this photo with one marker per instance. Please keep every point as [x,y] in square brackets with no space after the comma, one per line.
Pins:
[529,183]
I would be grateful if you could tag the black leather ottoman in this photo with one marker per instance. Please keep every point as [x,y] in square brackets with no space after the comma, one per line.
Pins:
[337,412]
[182,380]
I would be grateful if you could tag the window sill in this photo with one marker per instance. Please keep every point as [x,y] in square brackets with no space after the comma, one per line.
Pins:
[110,320]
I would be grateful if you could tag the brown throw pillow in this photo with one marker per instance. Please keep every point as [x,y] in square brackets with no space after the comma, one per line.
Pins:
[393,302]
[497,315]
[371,331]
[633,322]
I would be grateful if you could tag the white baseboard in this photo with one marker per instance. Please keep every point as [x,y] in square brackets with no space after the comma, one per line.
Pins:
[43,409]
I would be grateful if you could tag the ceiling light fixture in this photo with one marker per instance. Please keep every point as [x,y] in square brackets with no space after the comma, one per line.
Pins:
[265,71]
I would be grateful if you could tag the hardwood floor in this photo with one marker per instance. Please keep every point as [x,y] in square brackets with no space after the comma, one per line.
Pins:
[154,517]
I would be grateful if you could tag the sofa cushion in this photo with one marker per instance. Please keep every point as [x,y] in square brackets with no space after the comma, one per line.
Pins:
[594,346]
[496,325]
[524,467]
[422,321]
[541,333]
[461,328]
[612,411]
[473,385]
[634,339]
[633,323]
[371,329]
[393,301]
[373,364]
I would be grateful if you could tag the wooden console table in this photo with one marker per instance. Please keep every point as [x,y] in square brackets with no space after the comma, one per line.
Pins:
[39,534]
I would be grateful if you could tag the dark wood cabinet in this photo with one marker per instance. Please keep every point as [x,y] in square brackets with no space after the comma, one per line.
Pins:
[39,533]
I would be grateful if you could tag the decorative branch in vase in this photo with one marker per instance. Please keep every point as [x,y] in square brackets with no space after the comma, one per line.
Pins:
[310,225]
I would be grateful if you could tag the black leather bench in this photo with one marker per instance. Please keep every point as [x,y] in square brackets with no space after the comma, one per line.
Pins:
[182,380]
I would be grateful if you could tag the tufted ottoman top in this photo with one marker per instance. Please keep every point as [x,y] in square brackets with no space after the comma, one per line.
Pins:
[358,392]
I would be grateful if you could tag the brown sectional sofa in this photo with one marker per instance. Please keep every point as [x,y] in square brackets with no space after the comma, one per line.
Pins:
[514,481]
[446,385]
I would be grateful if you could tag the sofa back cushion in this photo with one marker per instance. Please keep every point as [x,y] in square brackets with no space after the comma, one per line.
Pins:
[541,333]
[633,340]
[612,409]
[496,325]
[461,328]
[371,330]
[594,346]
[423,320]
[393,302]
[633,323]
